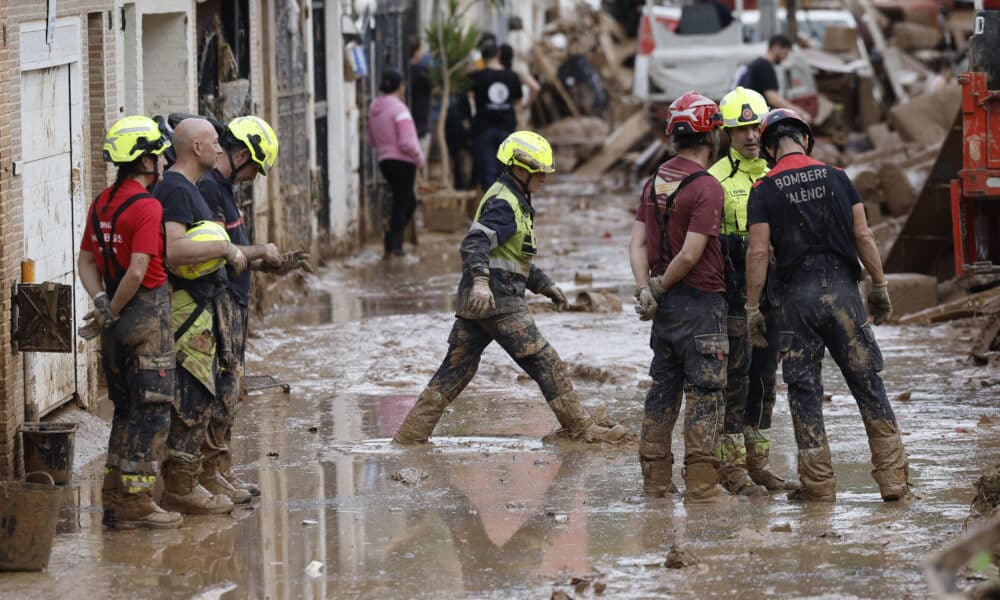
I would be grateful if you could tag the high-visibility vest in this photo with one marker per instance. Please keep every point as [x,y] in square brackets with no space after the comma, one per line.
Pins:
[737,175]
[516,253]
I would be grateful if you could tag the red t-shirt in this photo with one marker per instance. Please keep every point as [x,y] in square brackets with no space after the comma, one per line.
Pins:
[139,229]
[697,208]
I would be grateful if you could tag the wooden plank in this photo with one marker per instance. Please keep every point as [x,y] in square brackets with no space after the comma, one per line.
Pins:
[891,57]
[621,139]
[987,302]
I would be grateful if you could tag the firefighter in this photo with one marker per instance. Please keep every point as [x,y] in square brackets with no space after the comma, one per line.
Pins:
[814,219]
[750,378]
[497,266]
[121,267]
[195,246]
[249,147]
[677,263]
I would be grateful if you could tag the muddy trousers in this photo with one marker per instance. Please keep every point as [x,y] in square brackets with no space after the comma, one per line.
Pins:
[518,335]
[690,350]
[823,310]
[401,176]
[137,355]
[232,318]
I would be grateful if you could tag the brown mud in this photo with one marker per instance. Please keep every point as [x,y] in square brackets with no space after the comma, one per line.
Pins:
[501,514]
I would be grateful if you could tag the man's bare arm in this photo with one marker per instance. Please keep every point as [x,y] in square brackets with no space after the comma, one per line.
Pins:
[864,239]
[758,253]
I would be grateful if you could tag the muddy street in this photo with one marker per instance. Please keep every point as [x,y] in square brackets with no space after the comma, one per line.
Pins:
[493,511]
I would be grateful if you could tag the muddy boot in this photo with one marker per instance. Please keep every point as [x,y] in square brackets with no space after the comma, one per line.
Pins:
[575,420]
[819,483]
[133,511]
[701,486]
[183,493]
[215,482]
[758,447]
[421,420]
[733,468]
[655,459]
[891,470]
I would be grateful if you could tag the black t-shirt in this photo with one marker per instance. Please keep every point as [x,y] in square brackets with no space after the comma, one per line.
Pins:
[760,76]
[496,91]
[808,206]
[183,203]
[219,197]
[420,99]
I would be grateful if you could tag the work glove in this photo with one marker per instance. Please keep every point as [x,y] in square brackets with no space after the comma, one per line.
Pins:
[879,304]
[645,305]
[557,297]
[101,317]
[288,262]
[236,260]
[656,287]
[481,296]
[756,327]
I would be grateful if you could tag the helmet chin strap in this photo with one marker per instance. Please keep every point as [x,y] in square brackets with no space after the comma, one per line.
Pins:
[525,185]
[233,169]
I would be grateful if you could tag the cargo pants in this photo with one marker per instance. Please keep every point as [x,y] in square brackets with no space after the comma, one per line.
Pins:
[690,350]
[137,355]
[232,319]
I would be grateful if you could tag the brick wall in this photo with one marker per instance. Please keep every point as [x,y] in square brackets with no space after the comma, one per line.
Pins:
[98,65]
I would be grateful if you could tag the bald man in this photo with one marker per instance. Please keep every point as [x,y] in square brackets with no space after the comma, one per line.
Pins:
[196,330]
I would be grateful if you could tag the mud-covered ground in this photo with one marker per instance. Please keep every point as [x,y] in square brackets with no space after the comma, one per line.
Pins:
[493,512]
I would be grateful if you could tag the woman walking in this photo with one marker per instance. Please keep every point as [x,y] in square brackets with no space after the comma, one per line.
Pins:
[393,134]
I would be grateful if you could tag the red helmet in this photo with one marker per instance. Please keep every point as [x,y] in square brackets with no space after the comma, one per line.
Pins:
[692,113]
[784,116]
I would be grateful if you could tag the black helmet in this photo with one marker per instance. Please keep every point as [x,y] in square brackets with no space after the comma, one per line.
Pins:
[779,123]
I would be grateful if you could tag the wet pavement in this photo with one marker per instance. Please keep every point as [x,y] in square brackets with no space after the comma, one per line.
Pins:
[492,511]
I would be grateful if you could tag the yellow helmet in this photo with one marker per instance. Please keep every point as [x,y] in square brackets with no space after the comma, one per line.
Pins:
[259,139]
[742,107]
[203,231]
[528,150]
[131,137]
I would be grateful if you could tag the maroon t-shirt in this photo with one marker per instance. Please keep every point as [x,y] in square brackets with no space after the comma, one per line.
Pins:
[697,208]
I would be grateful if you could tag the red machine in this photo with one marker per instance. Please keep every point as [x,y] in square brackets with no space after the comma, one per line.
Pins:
[975,195]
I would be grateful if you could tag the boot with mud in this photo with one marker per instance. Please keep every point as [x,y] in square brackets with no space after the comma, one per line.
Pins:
[578,424]
[891,470]
[819,482]
[183,493]
[733,473]
[216,483]
[133,510]
[226,470]
[701,486]
[758,447]
[421,420]
[655,458]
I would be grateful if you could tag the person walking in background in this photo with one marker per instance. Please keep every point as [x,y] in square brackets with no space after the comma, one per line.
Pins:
[392,132]
[761,76]
[506,56]
[495,89]
[420,97]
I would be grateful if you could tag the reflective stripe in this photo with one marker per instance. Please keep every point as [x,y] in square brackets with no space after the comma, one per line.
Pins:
[136,484]
[510,266]
[477,226]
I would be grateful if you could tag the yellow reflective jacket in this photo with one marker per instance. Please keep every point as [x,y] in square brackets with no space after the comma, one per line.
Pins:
[737,175]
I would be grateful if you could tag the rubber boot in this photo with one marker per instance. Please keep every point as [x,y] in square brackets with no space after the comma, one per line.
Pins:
[421,420]
[702,487]
[183,493]
[819,482]
[733,466]
[575,420]
[892,470]
[758,447]
[134,511]
[655,458]
[212,479]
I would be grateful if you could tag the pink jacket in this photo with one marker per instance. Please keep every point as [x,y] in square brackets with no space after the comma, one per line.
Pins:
[392,132]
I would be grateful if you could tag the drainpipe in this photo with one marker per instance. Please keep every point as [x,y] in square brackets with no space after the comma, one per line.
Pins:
[28,358]
[768,18]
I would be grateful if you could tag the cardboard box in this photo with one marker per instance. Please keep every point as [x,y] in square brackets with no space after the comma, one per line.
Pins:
[837,38]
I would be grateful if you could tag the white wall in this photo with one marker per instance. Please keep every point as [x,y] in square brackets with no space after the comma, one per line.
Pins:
[343,148]
[168,56]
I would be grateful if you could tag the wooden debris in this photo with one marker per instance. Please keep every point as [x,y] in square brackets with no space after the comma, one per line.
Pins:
[621,139]
[987,302]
